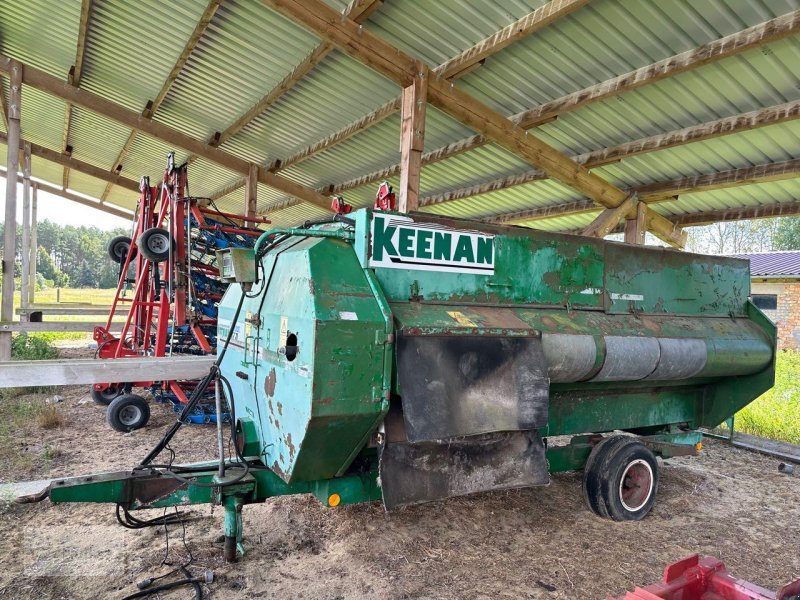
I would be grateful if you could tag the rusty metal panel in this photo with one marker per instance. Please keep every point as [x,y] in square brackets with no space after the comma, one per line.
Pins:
[415,473]
[453,386]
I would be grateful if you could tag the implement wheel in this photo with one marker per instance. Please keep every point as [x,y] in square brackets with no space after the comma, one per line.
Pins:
[155,243]
[620,479]
[106,396]
[128,412]
[119,247]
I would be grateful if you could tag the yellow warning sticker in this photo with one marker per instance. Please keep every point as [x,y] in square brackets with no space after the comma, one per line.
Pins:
[461,318]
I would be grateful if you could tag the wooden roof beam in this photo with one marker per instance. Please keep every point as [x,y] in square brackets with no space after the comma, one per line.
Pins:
[76,165]
[454,68]
[112,210]
[783,209]
[781,113]
[726,47]
[52,85]
[153,105]
[389,61]
[74,78]
[666,191]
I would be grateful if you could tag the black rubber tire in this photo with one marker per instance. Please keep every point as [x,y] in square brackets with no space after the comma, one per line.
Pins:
[591,474]
[603,478]
[128,412]
[154,244]
[119,247]
[107,395]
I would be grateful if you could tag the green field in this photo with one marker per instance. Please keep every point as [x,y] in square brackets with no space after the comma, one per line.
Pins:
[776,414]
[72,296]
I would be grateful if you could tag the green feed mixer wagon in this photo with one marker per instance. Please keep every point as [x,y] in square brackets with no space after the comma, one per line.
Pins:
[411,358]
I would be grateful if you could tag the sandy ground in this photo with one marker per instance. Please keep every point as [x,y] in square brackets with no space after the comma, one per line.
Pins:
[538,543]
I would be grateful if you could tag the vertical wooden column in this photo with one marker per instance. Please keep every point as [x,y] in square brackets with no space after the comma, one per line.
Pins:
[34,244]
[412,140]
[636,228]
[10,229]
[25,281]
[251,192]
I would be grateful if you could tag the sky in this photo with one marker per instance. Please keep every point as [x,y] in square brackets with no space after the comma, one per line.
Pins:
[63,211]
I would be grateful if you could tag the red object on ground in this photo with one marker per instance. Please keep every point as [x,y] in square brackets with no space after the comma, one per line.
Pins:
[707,578]
[385,198]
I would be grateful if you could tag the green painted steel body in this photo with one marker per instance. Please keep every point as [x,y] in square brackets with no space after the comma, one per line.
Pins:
[641,339]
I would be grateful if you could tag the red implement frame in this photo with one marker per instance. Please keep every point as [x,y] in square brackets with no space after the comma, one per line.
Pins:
[706,578]
[162,292]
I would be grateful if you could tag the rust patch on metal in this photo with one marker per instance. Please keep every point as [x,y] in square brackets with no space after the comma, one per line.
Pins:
[290,445]
[280,409]
[500,318]
[269,382]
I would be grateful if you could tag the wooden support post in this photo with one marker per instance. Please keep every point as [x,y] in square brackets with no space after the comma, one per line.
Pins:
[34,245]
[25,281]
[610,217]
[251,192]
[637,227]
[10,230]
[412,140]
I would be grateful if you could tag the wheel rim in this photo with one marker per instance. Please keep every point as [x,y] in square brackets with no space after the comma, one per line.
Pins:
[636,485]
[110,393]
[130,415]
[157,243]
[121,250]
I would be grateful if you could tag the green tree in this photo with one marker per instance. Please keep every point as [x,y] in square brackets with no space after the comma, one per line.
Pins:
[787,234]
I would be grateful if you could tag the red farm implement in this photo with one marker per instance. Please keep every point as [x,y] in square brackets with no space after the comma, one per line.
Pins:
[168,266]
[706,578]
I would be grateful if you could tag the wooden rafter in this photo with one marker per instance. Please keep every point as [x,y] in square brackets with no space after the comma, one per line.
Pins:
[412,141]
[781,113]
[67,195]
[389,61]
[726,47]
[77,165]
[52,85]
[665,191]
[452,69]
[74,78]
[782,209]
[358,10]
[153,105]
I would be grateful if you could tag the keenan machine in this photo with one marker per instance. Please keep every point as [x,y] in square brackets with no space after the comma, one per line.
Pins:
[411,358]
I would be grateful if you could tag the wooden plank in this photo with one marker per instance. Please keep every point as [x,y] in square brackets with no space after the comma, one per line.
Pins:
[399,67]
[726,47]
[452,69]
[29,327]
[636,228]
[412,141]
[527,25]
[52,85]
[77,165]
[10,231]
[88,370]
[74,78]
[773,115]
[197,33]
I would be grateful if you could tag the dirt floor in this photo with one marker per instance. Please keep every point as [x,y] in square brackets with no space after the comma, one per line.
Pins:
[537,543]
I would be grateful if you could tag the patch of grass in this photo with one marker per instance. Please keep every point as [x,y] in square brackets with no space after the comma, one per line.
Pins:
[776,414]
[49,417]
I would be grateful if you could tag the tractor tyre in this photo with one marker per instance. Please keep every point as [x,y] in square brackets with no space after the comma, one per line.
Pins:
[106,396]
[622,480]
[155,244]
[119,247]
[128,412]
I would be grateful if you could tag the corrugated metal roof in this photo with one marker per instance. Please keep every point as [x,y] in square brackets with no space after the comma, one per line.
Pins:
[773,264]
[247,49]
